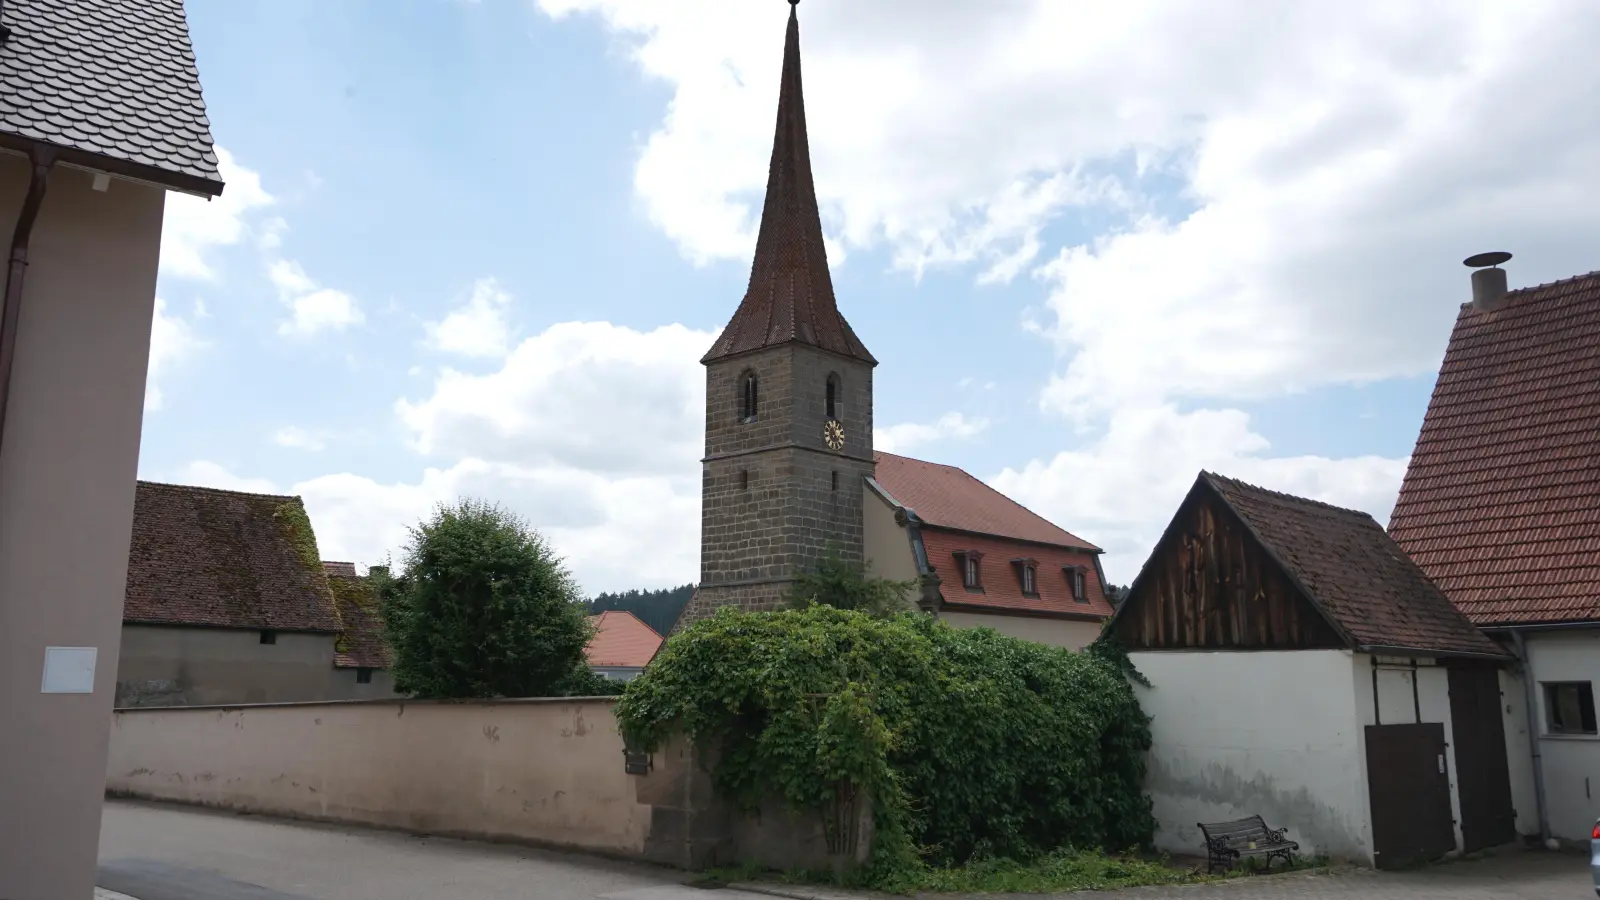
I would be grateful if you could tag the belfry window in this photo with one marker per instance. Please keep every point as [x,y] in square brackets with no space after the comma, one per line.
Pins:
[748,397]
[833,396]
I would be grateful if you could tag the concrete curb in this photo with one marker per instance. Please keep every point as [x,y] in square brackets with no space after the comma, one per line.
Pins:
[101,893]
[799,891]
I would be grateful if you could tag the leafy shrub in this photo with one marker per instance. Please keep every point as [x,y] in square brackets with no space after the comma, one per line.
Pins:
[972,745]
[484,608]
[835,582]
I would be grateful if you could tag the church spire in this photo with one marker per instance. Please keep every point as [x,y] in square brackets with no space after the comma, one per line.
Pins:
[790,297]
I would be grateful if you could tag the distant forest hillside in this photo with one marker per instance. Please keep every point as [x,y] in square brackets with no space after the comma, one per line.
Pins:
[658,609]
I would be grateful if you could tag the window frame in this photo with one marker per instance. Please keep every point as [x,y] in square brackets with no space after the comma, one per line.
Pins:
[1027,570]
[749,396]
[1586,726]
[1077,583]
[363,674]
[970,562]
[267,637]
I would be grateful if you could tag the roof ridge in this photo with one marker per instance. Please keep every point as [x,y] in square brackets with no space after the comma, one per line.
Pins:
[1528,289]
[217,490]
[1281,496]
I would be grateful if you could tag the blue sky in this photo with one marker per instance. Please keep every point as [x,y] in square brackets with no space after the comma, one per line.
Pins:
[478,247]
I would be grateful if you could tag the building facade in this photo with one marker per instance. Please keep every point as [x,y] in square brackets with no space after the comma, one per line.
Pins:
[979,558]
[1501,507]
[1303,669]
[103,115]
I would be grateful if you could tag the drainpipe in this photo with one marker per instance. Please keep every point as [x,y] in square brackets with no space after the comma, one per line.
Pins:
[1532,704]
[43,158]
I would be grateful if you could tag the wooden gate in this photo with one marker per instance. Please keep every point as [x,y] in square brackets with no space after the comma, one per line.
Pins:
[1482,776]
[1409,790]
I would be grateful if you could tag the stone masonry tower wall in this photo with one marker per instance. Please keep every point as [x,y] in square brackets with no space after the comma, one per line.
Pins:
[775,496]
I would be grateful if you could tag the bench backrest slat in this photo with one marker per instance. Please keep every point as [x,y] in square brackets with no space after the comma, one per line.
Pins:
[1237,831]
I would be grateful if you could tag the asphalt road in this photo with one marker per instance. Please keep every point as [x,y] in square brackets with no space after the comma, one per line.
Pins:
[153,852]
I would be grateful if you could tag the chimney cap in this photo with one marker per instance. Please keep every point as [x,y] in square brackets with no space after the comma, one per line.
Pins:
[1482,260]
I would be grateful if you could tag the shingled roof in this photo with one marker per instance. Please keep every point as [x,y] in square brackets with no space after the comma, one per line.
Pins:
[621,640]
[790,297]
[1355,574]
[361,645]
[224,559]
[1501,500]
[112,84]
[949,497]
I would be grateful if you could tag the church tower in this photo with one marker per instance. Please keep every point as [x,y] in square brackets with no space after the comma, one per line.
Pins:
[788,398]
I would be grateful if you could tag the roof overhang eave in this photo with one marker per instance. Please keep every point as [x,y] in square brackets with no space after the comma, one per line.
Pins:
[1393,650]
[76,158]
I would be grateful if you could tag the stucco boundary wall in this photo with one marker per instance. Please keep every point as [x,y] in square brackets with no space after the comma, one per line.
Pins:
[543,772]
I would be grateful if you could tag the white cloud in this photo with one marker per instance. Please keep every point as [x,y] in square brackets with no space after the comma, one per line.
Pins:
[192,227]
[298,438]
[171,340]
[585,394]
[210,474]
[906,435]
[1121,490]
[1275,201]
[313,308]
[591,431]
[478,325]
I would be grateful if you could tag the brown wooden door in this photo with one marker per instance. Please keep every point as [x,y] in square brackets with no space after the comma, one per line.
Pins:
[1408,787]
[1482,775]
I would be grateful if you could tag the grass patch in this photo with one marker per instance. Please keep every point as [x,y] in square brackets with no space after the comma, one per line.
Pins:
[1058,872]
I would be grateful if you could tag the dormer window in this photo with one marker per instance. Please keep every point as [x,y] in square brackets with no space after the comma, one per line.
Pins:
[970,564]
[832,402]
[1076,581]
[748,391]
[1027,576]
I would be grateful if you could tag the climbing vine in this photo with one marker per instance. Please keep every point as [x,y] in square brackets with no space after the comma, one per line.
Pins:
[967,743]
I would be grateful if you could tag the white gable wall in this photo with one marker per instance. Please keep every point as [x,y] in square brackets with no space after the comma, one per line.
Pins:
[1273,733]
[1571,762]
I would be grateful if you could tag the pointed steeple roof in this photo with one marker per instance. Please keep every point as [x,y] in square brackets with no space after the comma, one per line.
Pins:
[790,297]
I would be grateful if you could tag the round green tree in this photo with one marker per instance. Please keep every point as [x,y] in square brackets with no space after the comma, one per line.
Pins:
[483,608]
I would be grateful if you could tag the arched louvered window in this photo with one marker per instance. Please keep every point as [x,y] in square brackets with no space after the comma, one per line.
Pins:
[749,389]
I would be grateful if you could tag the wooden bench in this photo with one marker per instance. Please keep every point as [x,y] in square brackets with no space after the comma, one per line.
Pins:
[1228,842]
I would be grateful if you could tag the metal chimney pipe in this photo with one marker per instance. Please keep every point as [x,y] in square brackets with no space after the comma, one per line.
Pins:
[1489,281]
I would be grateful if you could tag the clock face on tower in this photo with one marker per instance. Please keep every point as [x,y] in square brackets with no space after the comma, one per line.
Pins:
[833,435]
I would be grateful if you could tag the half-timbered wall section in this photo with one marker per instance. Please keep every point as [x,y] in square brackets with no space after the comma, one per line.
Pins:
[1210,585]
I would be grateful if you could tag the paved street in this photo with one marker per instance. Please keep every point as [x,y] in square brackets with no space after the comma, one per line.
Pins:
[154,852]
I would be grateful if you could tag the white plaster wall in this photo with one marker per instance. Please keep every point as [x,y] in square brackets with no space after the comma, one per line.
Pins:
[1571,762]
[1073,635]
[886,544]
[1395,703]
[1272,733]
[1519,757]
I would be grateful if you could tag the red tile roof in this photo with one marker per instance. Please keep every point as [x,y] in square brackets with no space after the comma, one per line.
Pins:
[1501,501]
[621,641]
[947,497]
[1002,586]
[1354,571]
[201,556]
[790,297]
[361,645]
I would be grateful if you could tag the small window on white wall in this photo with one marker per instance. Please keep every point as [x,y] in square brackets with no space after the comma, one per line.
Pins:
[1569,707]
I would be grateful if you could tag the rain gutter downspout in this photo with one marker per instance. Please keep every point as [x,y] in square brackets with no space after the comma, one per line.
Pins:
[1532,704]
[42,159]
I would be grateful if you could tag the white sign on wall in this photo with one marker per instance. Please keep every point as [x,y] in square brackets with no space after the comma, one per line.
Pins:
[69,670]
